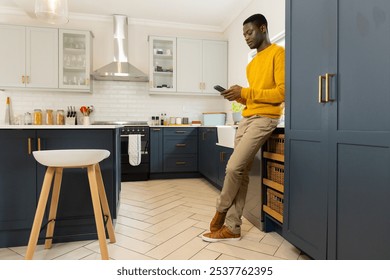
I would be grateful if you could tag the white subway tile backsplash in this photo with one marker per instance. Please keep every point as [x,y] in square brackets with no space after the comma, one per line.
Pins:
[123,101]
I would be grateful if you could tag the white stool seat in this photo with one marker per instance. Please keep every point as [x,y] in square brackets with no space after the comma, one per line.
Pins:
[70,158]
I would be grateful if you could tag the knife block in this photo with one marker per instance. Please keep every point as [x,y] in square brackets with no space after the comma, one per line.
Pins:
[70,121]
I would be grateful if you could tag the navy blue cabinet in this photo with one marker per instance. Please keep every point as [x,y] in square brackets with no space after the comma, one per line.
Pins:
[181,149]
[173,152]
[18,187]
[337,128]
[156,150]
[208,154]
[21,178]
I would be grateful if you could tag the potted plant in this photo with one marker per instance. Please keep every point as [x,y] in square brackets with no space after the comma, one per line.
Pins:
[237,111]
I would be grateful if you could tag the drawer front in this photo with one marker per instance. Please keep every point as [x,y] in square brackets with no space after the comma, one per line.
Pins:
[180,145]
[180,163]
[189,131]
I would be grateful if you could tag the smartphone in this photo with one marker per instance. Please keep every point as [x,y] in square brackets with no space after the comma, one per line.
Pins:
[219,88]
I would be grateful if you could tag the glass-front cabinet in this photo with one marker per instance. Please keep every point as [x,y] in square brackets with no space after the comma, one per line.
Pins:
[162,64]
[75,59]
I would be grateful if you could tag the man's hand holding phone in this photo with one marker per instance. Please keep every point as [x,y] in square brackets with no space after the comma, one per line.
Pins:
[231,94]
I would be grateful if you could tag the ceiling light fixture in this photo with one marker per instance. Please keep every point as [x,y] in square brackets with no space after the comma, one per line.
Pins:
[52,11]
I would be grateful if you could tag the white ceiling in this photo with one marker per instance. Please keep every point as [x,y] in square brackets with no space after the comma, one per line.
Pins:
[216,14]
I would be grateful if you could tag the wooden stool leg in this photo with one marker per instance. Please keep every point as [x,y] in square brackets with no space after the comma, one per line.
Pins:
[32,243]
[104,202]
[53,206]
[97,211]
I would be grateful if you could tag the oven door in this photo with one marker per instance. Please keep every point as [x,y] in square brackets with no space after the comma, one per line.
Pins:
[130,172]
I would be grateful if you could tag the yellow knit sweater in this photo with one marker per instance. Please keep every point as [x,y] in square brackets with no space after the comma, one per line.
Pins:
[265,74]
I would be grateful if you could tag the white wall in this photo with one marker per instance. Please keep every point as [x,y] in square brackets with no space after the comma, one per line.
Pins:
[131,101]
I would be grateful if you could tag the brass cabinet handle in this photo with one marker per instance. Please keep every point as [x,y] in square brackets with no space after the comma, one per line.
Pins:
[320,77]
[327,78]
[221,156]
[39,144]
[23,80]
[156,129]
[203,136]
[180,131]
[29,145]
[27,79]
[181,145]
[181,162]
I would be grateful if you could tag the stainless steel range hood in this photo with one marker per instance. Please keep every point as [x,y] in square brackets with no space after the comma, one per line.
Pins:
[120,69]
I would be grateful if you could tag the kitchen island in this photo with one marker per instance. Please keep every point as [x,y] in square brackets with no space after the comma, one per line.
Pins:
[21,179]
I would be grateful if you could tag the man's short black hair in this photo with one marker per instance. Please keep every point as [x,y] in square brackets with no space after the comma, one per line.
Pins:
[257,19]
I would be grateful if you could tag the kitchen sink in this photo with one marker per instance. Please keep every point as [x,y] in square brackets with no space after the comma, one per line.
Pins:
[226,135]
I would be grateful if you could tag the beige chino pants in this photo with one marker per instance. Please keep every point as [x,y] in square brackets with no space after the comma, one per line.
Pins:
[251,134]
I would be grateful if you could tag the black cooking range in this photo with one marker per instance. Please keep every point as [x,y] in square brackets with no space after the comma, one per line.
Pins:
[129,172]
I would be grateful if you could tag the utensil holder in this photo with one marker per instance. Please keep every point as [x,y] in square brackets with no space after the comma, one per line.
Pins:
[86,120]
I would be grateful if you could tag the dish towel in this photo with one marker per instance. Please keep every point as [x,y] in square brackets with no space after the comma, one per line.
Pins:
[134,149]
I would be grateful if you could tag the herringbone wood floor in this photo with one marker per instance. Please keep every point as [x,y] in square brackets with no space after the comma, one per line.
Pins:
[164,219]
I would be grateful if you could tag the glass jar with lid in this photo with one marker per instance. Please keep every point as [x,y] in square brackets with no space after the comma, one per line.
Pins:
[37,120]
[27,118]
[60,117]
[49,117]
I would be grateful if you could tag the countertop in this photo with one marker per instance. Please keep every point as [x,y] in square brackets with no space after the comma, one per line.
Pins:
[59,126]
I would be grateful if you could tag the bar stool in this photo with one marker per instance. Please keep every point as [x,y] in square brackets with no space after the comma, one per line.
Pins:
[56,161]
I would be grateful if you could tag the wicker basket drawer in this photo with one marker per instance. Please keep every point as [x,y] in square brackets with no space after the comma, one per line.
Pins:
[275,172]
[275,144]
[275,200]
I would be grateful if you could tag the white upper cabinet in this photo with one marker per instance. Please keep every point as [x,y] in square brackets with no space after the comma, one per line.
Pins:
[215,67]
[201,64]
[41,57]
[29,57]
[12,55]
[45,58]
[75,59]
[189,65]
[162,64]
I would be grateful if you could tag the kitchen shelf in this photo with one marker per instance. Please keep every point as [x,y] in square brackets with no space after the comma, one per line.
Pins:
[274,156]
[273,185]
[273,213]
[74,51]
[165,73]
[168,56]
[273,181]
[74,68]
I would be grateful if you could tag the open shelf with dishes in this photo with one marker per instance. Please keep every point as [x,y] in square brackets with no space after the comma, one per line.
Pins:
[162,63]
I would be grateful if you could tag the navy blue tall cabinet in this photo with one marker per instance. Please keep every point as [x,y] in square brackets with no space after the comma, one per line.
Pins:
[337,164]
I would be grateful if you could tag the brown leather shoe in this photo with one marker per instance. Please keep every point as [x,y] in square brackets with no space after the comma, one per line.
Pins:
[218,221]
[223,234]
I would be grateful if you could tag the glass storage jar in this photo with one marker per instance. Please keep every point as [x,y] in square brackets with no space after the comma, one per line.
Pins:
[49,117]
[37,117]
[60,117]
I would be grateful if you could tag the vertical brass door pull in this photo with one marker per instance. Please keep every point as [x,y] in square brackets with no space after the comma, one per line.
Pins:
[29,145]
[320,77]
[39,144]
[327,94]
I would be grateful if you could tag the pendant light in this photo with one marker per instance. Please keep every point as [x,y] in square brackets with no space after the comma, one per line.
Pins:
[52,11]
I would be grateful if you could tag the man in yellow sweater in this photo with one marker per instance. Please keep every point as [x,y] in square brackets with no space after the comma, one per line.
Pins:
[264,104]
